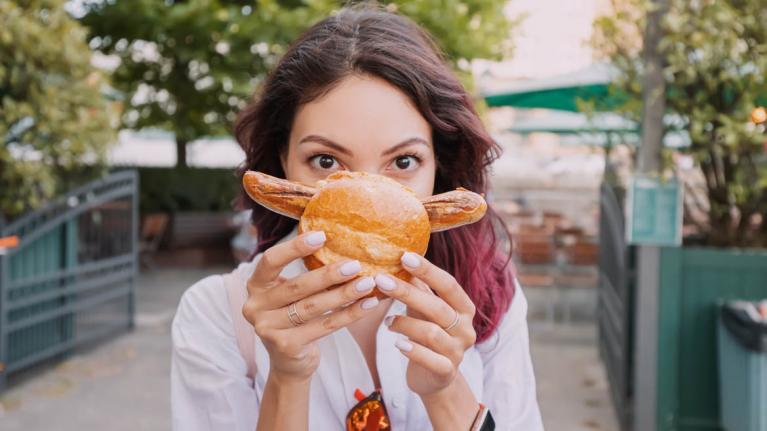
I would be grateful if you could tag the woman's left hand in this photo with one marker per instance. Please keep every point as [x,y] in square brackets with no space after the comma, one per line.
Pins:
[438,326]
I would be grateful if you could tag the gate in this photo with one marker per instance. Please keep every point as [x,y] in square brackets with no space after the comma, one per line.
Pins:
[71,279]
[615,305]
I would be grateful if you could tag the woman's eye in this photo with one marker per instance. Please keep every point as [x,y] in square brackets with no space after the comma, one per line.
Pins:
[406,163]
[324,161]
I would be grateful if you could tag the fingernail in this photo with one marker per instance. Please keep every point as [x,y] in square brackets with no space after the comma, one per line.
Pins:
[403,345]
[369,303]
[389,320]
[385,282]
[365,284]
[411,260]
[315,238]
[350,268]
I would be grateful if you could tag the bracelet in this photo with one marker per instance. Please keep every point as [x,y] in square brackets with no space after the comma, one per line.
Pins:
[483,421]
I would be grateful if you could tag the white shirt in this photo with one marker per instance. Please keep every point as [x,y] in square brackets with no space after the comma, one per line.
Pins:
[210,389]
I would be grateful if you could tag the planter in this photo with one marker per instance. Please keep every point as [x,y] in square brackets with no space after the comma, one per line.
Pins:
[692,280]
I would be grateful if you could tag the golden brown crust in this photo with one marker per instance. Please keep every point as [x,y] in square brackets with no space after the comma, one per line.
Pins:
[366,217]
[453,209]
[281,196]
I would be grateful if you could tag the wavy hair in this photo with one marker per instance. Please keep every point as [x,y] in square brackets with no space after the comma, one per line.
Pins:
[371,41]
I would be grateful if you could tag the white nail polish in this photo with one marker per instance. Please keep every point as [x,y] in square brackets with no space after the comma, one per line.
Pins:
[315,238]
[385,282]
[350,268]
[365,284]
[411,260]
[389,320]
[369,303]
[403,345]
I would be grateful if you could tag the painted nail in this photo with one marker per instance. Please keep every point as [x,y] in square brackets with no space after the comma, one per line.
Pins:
[389,320]
[411,260]
[350,268]
[315,238]
[385,282]
[403,345]
[369,303]
[365,284]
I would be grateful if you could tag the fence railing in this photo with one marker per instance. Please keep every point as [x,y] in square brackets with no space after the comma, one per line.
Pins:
[71,279]
[615,306]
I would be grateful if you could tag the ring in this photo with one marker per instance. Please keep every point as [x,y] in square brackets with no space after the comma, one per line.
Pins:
[455,321]
[295,319]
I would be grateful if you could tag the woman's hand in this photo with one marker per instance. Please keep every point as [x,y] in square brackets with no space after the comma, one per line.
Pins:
[438,327]
[289,332]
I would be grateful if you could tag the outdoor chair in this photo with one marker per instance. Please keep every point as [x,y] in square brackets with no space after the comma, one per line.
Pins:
[153,228]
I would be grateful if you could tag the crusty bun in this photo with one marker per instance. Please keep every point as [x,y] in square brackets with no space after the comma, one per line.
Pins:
[371,218]
[367,217]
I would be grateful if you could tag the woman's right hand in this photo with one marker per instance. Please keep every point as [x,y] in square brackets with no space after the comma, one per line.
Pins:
[292,350]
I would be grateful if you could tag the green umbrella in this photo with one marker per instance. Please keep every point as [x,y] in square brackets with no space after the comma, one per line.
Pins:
[564,99]
[571,123]
[562,92]
[599,129]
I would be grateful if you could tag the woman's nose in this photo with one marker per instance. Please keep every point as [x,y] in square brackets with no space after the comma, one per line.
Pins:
[368,168]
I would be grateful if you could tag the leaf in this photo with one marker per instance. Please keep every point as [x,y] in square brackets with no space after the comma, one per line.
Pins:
[48,81]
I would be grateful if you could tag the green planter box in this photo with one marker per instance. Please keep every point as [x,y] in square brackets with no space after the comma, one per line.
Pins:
[692,280]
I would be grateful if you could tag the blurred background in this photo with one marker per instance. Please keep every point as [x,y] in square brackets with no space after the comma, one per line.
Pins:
[633,181]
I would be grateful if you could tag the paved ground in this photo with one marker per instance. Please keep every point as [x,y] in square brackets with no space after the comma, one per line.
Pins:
[572,388]
[123,384]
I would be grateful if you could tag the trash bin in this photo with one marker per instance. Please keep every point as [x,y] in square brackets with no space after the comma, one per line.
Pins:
[743,366]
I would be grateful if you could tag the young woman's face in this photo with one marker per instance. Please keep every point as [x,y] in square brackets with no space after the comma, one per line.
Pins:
[362,124]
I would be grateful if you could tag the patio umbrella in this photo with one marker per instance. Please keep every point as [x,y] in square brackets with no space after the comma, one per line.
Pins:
[598,129]
[567,123]
[562,92]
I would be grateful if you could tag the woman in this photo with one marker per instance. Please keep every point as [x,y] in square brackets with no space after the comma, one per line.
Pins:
[364,90]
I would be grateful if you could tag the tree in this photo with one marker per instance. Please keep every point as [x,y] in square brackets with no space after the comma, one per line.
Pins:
[53,118]
[716,75]
[189,66]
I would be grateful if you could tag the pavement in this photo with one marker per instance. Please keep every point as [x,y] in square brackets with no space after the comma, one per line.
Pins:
[123,383]
[573,393]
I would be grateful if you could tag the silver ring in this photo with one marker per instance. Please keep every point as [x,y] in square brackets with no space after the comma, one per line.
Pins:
[295,319]
[455,321]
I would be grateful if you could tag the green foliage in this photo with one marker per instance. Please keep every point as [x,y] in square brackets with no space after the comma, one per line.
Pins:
[716,72]
[191,66]
[52,115]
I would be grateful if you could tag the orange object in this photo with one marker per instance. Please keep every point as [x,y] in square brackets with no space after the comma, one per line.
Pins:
[359,395]
[759,115]
[9,241]
[369,414]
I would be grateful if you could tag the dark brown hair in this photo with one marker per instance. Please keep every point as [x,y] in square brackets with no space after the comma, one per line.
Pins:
[368,40]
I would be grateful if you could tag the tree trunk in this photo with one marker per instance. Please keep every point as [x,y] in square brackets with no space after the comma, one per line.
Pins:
[653,94]
[180,152]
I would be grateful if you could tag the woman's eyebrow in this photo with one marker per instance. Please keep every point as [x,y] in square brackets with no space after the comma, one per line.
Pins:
[405,143]
[325,141]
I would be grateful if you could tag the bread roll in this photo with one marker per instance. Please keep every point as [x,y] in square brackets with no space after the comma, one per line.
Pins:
[367,217]
[371,218]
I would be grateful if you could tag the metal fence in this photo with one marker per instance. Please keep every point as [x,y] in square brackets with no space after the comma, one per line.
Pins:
[615,306]
[71,279]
